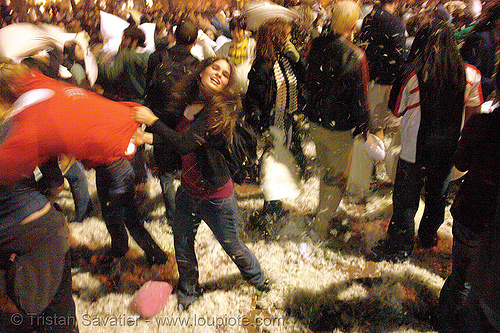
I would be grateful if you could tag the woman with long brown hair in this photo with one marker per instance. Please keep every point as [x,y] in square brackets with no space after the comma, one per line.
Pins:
[206,106]
[273,95]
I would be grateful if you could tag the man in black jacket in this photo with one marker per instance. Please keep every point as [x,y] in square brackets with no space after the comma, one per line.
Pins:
[382,37]
[171,66]
[337,78]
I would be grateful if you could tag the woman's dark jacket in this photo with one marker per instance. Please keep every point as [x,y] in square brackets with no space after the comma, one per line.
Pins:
[260,97]
[336,84]
[478,153]
[210,150]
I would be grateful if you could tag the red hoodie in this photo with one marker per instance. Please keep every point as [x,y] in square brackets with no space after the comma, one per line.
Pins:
[65,120]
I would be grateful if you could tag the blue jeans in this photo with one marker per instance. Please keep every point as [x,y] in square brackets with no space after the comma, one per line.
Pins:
[168,192]
[410,179]
[80,190]
[115,188]
[221,216]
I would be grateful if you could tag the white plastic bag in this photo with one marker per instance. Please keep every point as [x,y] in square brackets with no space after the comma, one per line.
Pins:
[375,147]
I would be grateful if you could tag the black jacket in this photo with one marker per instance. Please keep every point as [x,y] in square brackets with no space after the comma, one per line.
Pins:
[178,63]
[382,36]
[479,50]
[158,96]
[478,153]
[336,84]
[156,58]
[209,150]
[260,97]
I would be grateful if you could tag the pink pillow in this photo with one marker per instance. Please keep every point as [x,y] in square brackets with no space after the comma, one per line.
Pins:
[151,298]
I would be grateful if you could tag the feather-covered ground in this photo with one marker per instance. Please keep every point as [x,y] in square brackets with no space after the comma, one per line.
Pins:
[325,286]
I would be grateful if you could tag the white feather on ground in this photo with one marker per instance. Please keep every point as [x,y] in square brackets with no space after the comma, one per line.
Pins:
[316,286]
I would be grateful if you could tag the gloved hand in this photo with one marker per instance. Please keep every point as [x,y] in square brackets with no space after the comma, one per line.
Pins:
[290,51]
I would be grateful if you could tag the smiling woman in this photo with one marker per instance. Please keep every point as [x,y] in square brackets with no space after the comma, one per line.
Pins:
[206,105]
[215,77]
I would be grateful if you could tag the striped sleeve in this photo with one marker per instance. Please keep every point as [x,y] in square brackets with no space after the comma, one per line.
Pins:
[473,92]
[409,96]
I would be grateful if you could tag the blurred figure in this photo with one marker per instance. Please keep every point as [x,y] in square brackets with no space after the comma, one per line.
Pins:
[337,78]
[49,65]
[382,37]
[128,66]
[209,105]
[273,97]
[34,240]
[433,95]
[481,46]
[474,211]
[96,130]
[176,63]
[75,63]
[128,69]
[241,48]
[240,51]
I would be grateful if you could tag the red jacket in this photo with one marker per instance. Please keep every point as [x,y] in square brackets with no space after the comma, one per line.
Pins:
[67,120]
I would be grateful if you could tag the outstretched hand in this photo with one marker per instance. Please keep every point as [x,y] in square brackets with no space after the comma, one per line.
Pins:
[143,115]
[142,137]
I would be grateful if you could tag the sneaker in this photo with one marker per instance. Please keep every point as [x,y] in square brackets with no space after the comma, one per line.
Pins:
[185,299]
[338,228]
[264,286]
[397,257]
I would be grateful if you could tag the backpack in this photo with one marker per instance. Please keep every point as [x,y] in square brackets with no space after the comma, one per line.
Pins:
[242,156]
[157,95]
[165,76]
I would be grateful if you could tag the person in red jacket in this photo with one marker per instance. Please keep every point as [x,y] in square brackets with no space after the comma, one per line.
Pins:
[46,118]
[53,118]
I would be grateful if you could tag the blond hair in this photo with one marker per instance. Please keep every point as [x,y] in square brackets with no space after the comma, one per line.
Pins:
[344,16]
[9,72]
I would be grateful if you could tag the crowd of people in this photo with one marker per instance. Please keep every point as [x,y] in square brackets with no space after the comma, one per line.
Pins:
[346,74]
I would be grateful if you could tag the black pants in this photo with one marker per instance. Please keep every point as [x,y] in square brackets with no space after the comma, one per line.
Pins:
[115,188]
[410,179]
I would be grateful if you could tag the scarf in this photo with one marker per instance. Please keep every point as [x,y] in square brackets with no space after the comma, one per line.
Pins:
[286,91]
[238,53]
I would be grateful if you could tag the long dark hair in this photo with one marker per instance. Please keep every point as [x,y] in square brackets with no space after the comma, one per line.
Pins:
[270,38]
[435,58]
[441,77]
[224,107]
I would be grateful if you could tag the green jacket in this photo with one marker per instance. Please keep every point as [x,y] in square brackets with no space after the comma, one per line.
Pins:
[129,69]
